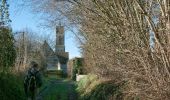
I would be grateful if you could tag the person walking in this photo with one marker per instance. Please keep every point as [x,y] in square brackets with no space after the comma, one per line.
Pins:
[32,81]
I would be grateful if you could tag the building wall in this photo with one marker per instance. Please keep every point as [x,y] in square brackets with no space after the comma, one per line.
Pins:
[58,59]
[52,62]
[70,67]
[64,68]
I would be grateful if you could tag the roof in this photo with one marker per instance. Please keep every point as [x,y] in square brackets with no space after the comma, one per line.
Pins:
[47,50]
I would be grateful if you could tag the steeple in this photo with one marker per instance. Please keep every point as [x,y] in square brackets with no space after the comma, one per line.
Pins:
[60,46]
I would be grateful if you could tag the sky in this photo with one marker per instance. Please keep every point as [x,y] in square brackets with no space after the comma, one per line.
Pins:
[23,18]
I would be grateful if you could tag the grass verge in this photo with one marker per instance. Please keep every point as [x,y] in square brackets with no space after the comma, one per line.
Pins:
[92,88]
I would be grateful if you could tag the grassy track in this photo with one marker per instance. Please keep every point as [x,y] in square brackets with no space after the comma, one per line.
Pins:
[57,89]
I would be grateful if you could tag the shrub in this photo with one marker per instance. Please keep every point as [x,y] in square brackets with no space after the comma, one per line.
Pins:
[77,68]
[7,50]
[103,91]
[85,82]
[11,87]
[92,88]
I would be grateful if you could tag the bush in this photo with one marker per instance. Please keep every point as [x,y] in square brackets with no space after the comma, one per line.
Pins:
[103,91]
[77,68]
[91,88]
[85,82]
[11,87]
[7,49]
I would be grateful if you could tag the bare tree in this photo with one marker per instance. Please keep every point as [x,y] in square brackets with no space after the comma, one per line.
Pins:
[28,46]
[117,45]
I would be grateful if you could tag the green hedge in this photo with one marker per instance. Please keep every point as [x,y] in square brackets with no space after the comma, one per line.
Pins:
[11,87]
[7,49]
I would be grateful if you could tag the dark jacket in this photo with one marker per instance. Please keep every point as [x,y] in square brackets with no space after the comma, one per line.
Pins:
[32,72]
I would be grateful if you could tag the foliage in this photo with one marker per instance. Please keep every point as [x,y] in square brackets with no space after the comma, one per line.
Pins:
[77,67]
[7,49]
[103,91]
[4,13]
[83,86]
[90,88]
[11,87]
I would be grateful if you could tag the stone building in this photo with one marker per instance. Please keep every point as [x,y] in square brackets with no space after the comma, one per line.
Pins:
[56,59]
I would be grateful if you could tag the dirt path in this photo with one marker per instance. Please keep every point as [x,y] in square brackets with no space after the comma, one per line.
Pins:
[58,89]
[71,94]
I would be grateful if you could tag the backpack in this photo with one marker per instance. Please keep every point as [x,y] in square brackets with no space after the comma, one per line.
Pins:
[32,84]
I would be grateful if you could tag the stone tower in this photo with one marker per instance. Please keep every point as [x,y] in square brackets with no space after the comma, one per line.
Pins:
[56,60]
[60,47]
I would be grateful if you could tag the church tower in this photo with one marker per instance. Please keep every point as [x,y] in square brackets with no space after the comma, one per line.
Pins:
[60,49]
[60,42]
[56,60]
[60,45]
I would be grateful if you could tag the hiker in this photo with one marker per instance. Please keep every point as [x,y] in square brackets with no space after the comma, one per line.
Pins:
[33,81]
